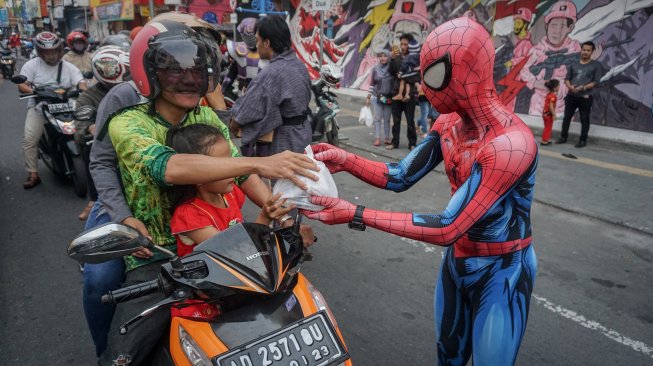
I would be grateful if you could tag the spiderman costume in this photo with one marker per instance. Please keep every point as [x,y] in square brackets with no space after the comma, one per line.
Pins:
[488,271]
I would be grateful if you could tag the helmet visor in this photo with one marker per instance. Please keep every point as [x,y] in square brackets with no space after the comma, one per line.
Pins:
[181,65]
[179,55]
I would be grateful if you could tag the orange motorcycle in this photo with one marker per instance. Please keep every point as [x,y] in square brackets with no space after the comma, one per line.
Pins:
[237,300]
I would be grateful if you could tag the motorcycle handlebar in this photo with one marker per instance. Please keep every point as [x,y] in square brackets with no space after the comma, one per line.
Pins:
[131,292]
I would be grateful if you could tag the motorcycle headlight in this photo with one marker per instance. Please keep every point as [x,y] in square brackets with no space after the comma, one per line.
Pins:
[322,304]
[68,128]
[193,352]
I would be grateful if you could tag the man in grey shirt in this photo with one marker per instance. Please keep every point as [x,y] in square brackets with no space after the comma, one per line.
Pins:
[277,98]
[582,77]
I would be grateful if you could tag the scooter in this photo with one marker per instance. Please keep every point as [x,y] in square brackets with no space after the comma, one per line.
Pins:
[57,146]
[8,64]
[263,311]
[323,120]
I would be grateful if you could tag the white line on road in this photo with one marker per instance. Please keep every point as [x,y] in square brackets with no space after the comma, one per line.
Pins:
[566,313]
[593,325]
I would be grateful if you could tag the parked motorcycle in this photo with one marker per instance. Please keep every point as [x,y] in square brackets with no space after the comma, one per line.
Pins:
[57,146]
[8,64]
[264,311]
[323,121]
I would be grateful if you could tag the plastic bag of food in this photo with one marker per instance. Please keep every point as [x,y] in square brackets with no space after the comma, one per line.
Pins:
[325,186]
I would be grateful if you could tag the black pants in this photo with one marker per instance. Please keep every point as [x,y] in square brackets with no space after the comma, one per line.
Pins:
[86,154]
[409,109]
[584,106]
[142,337]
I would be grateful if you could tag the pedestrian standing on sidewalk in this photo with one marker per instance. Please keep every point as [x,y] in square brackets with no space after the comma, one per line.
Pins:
[582,77]
[406,107]
[549,112]
[380,96]
[424,112]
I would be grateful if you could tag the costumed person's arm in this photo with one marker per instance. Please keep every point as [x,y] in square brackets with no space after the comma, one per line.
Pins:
[395,177]
[498,168]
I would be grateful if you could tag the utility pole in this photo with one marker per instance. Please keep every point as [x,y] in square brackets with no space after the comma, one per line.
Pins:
[152,14]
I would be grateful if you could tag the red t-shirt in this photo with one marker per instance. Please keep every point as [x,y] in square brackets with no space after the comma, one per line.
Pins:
[197,214]
[550,98]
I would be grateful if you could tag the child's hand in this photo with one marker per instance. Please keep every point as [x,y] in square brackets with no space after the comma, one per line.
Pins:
[554,116]
[274,208]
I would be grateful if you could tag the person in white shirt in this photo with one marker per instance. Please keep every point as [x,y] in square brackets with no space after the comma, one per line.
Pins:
[46,69]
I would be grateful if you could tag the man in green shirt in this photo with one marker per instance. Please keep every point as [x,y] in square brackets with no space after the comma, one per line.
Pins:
[171,65]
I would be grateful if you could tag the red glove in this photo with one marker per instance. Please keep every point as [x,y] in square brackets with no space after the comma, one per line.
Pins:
[335,159]
[336,210]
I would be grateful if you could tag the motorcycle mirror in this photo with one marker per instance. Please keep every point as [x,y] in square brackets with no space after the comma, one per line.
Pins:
[18,79]
[87,75]
[105,242]
[85,113]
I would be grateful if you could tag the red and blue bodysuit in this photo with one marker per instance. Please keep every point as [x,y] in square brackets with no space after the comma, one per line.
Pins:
[490,156]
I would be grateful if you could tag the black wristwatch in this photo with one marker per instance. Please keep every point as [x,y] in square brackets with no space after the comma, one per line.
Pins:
[357,222]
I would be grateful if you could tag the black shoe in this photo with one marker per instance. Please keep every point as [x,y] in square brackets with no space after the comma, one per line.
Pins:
[411,147]
[562,140]
[581,144]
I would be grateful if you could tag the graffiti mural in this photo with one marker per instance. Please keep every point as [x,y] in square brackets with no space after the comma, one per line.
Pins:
[534,41]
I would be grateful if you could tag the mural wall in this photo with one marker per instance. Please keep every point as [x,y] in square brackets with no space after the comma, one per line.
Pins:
[534,41]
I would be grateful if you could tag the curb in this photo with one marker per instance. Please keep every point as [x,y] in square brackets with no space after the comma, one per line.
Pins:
[537,130]
[624,225]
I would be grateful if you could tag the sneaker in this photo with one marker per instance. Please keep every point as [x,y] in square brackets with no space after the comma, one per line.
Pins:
[581,144]
[561,140]
[377,142]
[390,147]
[545,143]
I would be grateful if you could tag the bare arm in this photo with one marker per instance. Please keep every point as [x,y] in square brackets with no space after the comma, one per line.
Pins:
[198,169]
[24,88]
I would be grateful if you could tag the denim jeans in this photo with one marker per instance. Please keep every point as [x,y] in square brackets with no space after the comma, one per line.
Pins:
[424,111]
[98,280]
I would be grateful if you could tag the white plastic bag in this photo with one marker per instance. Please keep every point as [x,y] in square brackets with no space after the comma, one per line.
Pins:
[325,186]
[365,117]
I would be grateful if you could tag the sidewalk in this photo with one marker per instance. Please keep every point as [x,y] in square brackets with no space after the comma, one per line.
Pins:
[601,135]
[600,183]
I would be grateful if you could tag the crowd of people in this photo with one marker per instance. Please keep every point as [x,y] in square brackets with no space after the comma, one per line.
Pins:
[163,161]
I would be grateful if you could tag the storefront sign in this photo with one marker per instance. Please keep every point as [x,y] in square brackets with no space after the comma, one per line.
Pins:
[4,18]
[122,10]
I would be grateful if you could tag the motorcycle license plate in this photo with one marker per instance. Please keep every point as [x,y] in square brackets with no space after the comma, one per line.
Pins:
[311,341]
[61,107]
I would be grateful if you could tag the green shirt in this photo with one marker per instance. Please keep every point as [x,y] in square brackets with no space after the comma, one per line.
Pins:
[139,139]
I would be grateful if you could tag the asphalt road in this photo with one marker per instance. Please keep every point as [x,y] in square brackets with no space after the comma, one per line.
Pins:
[592,299]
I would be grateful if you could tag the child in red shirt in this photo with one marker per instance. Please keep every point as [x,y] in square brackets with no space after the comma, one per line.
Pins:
[206,209]
[549,112]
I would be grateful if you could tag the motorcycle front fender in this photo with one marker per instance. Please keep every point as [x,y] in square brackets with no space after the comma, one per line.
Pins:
[73,148]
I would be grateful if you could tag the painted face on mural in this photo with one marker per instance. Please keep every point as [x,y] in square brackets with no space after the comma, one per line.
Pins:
[518,26]
[410,27]
[557,30]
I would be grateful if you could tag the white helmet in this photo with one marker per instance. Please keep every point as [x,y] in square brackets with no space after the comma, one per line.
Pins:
[331,75]
[110,65]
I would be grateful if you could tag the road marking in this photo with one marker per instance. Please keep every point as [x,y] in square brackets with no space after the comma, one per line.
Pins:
[593,325]
[557,309]
[601,164]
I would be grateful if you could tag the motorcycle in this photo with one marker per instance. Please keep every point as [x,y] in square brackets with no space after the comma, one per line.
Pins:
[8,64]
[323,120]
[57,147]
[264,311]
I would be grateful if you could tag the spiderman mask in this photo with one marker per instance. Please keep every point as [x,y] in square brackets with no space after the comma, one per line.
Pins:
[457,57]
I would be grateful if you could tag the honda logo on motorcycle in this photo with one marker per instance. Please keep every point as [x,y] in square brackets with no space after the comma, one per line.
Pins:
[256,255]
